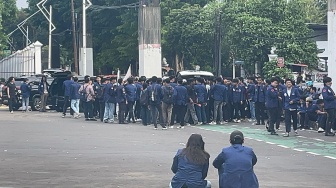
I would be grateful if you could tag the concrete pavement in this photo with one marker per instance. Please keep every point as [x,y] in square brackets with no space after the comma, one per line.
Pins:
[45,150]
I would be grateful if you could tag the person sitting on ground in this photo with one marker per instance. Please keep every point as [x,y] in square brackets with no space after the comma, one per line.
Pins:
[235,164]
[191,165]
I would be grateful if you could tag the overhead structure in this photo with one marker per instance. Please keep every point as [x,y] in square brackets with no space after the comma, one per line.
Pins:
[332,40]
[150,38]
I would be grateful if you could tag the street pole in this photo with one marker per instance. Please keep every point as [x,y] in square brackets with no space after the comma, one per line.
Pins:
[27,39]
[84,38]
[332,40]
[50,37]
[74,36]
[233,69]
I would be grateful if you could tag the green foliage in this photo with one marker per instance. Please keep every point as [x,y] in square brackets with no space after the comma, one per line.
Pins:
[271,69]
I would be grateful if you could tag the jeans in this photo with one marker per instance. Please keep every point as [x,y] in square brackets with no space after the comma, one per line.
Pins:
[88,109]
[44,98]
[200,111]
[166,113]
[156,110]
[330,119]
[25,104]
[218,110]
[11,102]
[137,111]
[75,105]
[207,186]
[191,112]
[273,113]
[145,116]
[109,111]
[228,109]
[237,108]
[260,111]
[130,110]
[180,112]
[121,112]
[252,109]
[66,105]
[291,115]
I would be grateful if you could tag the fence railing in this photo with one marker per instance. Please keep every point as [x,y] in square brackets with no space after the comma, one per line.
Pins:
[23,62]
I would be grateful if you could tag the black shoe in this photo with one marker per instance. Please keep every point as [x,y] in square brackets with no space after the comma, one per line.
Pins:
[92,119]
[274,133]
[257,124]
[87,119]
[329,134]
[286,135]
[263,123]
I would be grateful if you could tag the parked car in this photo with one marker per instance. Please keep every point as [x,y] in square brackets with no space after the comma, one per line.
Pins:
[194,74]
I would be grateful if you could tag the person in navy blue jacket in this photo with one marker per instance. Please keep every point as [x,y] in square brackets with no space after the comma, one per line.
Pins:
[259,101]
[109,95]
[201,93]
[66,86]
[272,104]
[121,100]
[219,94]
[131,95]
[191,164]
[25,91]
[235,164]
[180,98]
[237,99]
[228,108]
[154,94]
[44,92]
[75,97]
[291,100]
[329,99]
[138,84]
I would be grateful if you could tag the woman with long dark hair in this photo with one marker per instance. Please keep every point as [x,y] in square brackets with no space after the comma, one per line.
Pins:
[44,92]
[191,165]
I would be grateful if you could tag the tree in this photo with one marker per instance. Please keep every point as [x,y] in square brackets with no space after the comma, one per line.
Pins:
[271,69]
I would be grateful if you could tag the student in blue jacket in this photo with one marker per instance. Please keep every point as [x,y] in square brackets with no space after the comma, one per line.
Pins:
[191,165]
[25,89]
[329,99]
[272,104]
[235,164]
[291,100]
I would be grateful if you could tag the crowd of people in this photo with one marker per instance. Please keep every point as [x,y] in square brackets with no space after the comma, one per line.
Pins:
[195,101]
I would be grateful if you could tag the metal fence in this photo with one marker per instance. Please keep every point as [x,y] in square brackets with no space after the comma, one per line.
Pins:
[23,62]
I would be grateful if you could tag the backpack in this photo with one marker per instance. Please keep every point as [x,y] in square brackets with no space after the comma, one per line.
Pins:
[168,92]
[82,94]
[144,98]
[154,94]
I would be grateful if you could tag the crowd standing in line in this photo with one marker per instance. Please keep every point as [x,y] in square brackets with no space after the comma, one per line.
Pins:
[195,101]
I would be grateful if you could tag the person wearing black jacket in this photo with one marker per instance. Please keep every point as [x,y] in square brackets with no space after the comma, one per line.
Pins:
[110,100]
[192,98]
[11,90]
[122,102]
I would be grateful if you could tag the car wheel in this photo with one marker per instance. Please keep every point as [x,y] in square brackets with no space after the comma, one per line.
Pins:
[36,104]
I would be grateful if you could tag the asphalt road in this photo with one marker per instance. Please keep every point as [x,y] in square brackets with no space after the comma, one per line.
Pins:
[45,150]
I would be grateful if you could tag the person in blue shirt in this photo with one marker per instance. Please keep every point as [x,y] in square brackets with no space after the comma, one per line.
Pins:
[243,88]
[191,164]
[174,115]
[66,86]
[228,108]
[98,104]
[302,111]
[201,94]
[235,164]
[180,98]
[137,109]
[259,101]
[154,94]
[109,95]
[329,100]
[121,100]
[237,99]
[219,94]
[131,95]
[317,114]
[75,97]
[25,91]
[272,104]
[291,100]
[43,89]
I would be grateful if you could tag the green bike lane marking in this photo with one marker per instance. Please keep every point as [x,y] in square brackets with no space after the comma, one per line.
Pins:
[300,144]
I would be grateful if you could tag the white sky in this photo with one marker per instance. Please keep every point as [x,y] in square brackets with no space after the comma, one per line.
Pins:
[21,3]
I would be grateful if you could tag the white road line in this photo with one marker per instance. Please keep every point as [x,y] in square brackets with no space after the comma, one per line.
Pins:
[313,153]
[283,146]
[330,157]
[297,150]
[301,136]
[249,138]
[317,139]
[270,143]
[258,140]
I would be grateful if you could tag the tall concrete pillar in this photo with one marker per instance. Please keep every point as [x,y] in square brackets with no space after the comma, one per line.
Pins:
[150,38]
[332,41]
[38,57]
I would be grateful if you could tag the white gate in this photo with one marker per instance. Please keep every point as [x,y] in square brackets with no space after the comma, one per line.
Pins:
[23,62]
